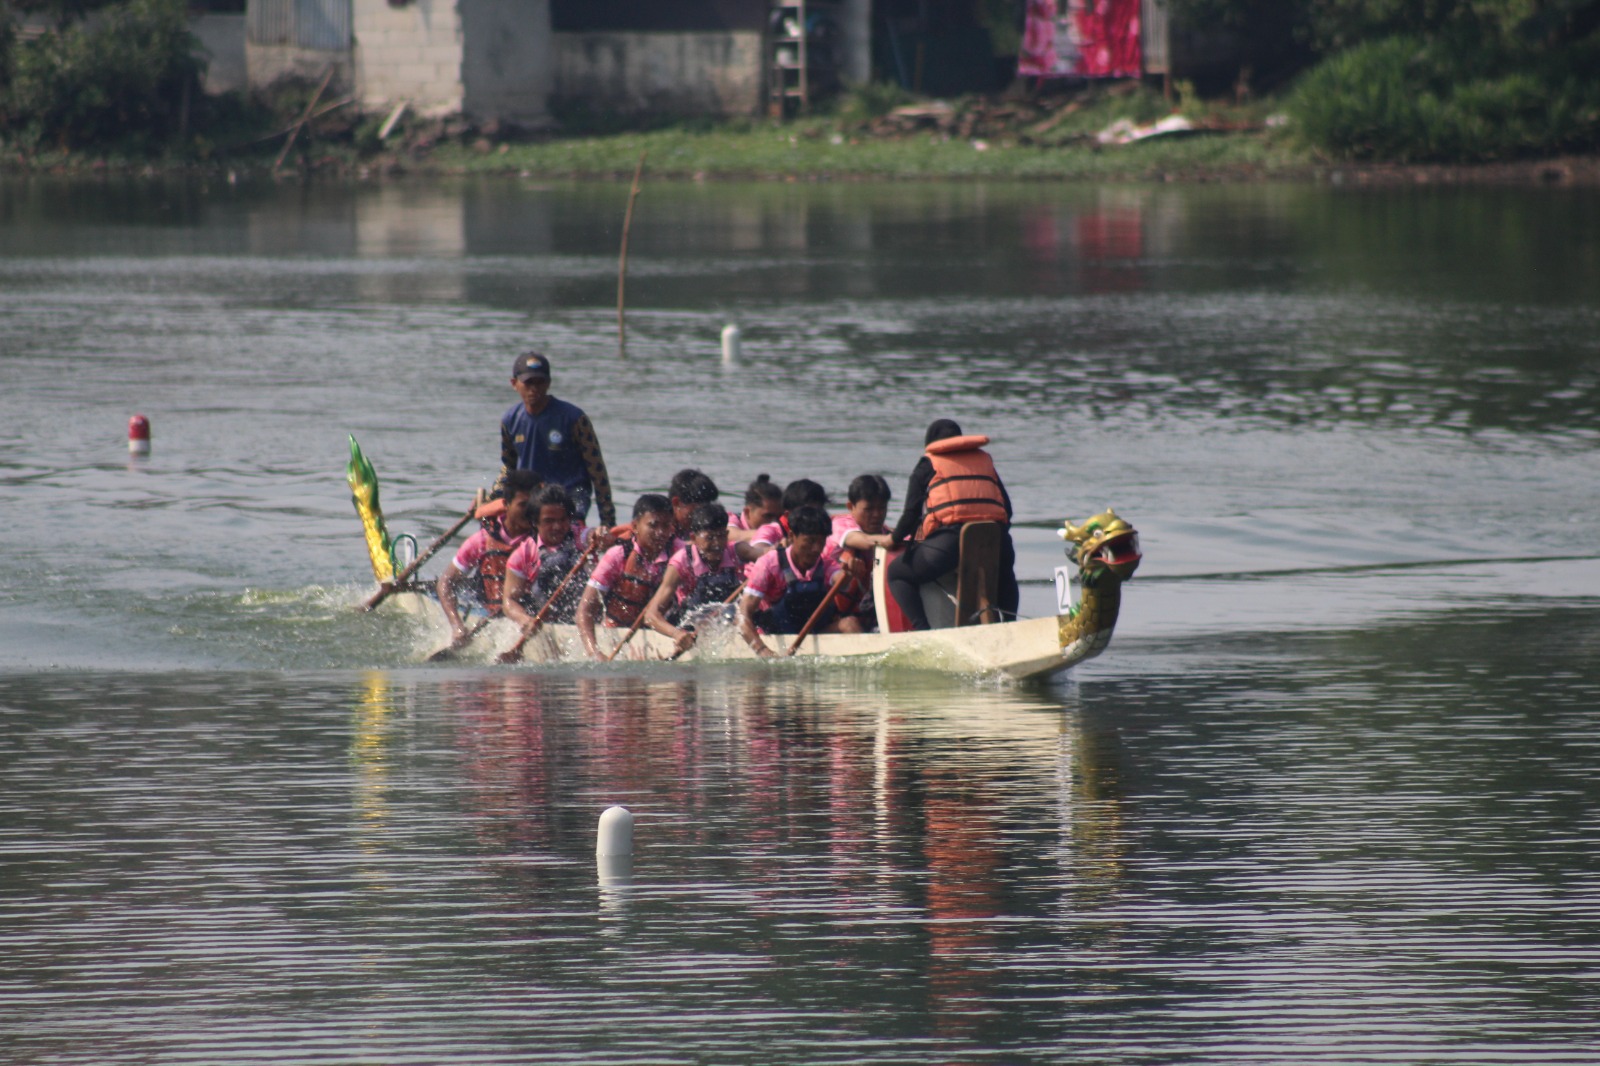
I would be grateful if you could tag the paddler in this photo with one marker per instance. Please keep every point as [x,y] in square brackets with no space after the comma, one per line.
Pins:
[554,438]
[857,533]
[688,490]
[542,562]
[788,585]
[479,567]
[702,574]
[954,483]
[628,573]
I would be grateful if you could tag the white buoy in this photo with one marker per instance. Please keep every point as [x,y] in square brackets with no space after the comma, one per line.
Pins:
[613,857]
[616,833]
[138,435]
[730,343]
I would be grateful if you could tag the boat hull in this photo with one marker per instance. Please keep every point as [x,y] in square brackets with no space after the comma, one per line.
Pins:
[1024,650]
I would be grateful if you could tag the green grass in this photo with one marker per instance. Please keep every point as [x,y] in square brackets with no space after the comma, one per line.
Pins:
[808,152]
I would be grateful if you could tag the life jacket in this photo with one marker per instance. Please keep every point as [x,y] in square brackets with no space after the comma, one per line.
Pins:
[712,587]
[554,566]
[800,598]
[632,588]
[857,565]
[492,567]
[964,488]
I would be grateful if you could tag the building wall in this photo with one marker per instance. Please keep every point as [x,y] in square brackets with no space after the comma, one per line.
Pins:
[222,43]
[506,60]
[707,73]
[268,63]
[411,53]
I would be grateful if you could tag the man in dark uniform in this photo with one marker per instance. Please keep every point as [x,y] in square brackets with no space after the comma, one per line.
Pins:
[554,438]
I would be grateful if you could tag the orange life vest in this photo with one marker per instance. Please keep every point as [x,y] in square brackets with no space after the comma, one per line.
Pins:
[632,589]
[492,568]
[857,565]
[964,488]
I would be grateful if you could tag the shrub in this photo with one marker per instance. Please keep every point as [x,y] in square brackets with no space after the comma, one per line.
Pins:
[1406,100]
[124,78]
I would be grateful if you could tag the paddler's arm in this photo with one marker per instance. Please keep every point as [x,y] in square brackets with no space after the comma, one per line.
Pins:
[654,611]
[511,599]
[446,588]
[748,601]
[916,501]
[595,464]
[588,614]
[867,541]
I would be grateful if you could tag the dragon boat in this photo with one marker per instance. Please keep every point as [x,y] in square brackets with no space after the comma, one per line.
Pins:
[968,636]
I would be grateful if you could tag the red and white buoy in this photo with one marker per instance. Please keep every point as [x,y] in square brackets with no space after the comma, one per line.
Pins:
[138,435]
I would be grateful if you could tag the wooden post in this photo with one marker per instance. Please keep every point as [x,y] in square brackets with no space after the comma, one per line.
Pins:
[304,118]
[622,262]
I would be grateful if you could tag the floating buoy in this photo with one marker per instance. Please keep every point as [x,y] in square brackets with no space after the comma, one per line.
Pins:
[616,832]
[139,435]
[613,855]
[730,343]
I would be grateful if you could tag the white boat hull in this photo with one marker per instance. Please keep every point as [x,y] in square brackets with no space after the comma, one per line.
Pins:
[1025,649]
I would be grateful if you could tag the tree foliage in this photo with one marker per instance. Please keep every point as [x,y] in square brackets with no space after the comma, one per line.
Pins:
[1406,99]
[1332,25]
[125,77]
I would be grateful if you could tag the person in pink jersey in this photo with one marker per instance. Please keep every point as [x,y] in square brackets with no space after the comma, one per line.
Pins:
[801,493]
[763,503]
[789,584]
[857,533]
[628,574]
[477,573]
[700,577]
[541,564]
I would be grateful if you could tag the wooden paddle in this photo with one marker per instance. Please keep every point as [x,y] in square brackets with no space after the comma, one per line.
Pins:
[449,650]
[637,622]
[514,653]
[401,578]
[805,630]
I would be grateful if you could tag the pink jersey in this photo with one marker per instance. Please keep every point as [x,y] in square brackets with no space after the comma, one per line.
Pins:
[525,557]
[736,521]
[470,554]
[610,566]
[771,533]
[766,574]
[842,524]
[691,567]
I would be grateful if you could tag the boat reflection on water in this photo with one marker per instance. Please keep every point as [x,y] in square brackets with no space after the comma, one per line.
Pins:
[902,824]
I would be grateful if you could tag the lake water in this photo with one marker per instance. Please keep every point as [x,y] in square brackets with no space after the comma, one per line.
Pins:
[1330,797]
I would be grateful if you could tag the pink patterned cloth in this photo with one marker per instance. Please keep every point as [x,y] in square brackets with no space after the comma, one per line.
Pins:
[1081,39]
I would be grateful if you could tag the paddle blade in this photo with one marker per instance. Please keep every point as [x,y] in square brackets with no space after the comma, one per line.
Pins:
[364,494]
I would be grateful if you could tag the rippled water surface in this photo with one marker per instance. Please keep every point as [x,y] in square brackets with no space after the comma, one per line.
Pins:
[1329,797]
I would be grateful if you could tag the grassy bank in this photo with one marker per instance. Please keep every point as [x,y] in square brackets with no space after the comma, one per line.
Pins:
[783,153]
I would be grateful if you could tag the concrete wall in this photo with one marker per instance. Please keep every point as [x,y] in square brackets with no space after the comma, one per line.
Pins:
[713,73]
[411,53]
[506,60]
[266,63]
[222,44]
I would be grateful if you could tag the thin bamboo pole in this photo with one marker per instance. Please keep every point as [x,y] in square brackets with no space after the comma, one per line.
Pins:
[622,262]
